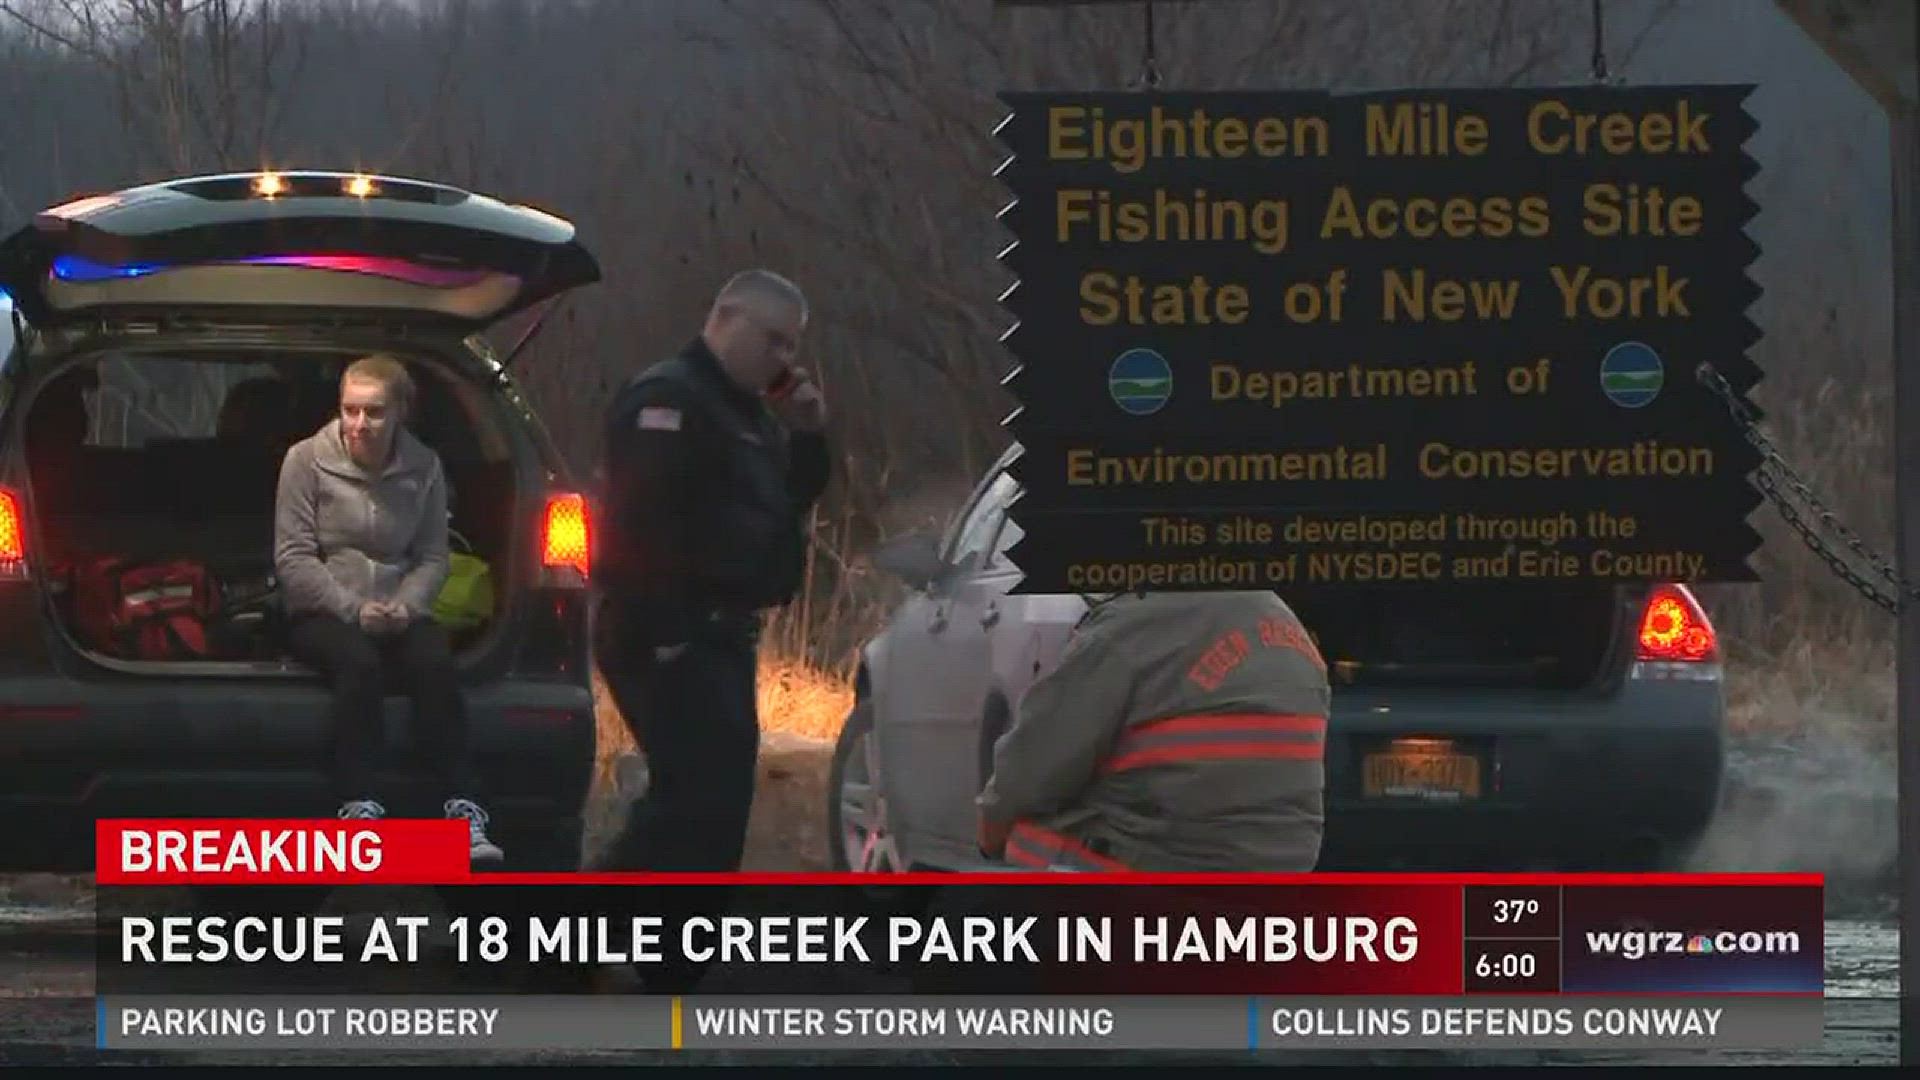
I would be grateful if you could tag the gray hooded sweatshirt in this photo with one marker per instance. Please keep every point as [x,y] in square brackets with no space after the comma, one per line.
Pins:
[343,535]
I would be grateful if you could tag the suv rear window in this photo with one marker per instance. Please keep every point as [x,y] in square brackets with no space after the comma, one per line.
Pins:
[128,451]
[136,401]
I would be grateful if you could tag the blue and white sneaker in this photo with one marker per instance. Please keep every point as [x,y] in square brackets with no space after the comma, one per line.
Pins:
[482,849]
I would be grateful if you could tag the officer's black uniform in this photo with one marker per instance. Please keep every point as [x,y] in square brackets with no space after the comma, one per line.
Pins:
[704,527]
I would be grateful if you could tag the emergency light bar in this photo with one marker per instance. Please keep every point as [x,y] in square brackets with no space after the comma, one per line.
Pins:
[73,268]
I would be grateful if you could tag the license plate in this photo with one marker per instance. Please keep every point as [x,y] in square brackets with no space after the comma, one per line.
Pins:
[1421,775]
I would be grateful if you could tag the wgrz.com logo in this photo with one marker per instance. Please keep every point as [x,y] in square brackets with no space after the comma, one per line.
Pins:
[1637,943]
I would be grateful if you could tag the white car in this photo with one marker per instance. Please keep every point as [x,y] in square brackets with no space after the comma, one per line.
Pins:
[1576,726]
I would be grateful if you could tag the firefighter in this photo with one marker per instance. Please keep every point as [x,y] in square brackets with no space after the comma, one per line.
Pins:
[1181,732]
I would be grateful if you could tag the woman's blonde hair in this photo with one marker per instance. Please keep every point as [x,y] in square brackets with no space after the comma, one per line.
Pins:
[389,373]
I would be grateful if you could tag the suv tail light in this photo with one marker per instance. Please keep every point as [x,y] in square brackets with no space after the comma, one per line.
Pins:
[566,543]
[1674,629]
[13,537]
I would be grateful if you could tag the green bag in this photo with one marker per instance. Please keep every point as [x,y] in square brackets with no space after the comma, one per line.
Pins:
[466,600]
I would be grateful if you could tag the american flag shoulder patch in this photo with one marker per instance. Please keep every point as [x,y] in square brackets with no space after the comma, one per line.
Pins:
[658,418]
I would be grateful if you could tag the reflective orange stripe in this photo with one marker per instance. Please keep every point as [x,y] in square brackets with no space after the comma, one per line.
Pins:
[1226,737]
[1033,845]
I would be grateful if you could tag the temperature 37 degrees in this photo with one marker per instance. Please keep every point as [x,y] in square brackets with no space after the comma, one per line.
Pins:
[1514,910]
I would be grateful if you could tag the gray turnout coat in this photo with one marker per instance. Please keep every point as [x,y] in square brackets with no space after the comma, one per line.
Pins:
[1181,732]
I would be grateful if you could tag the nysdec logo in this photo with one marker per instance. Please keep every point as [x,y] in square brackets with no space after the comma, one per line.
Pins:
[1140,382]
[1631,374]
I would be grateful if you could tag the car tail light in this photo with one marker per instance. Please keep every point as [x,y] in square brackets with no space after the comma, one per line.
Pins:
[566,546]
[13,537]
[1674,629]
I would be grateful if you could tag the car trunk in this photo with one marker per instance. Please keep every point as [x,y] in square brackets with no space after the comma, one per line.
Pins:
[155,456]
[1468,636]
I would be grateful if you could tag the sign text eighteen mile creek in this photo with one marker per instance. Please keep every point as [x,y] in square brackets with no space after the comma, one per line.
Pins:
[1294,338]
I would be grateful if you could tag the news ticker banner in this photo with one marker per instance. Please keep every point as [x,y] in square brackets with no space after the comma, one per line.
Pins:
[261,931]
[866,1022]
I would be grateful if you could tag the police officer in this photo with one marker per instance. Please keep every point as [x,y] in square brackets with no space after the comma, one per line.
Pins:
[714,458]
[1180,732]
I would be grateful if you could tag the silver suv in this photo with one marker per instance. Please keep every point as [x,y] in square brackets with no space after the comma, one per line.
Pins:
[1486,727]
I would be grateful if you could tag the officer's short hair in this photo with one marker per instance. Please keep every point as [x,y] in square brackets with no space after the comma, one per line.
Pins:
[388,372]
[750,285]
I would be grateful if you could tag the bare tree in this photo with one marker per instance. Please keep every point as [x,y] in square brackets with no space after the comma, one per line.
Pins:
[199,83]
[858,149]
[864,128]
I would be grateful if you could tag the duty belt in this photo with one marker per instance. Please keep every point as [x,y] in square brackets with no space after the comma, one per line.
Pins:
[730,618]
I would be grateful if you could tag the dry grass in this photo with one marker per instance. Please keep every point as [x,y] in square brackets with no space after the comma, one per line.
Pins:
[614,739]
[1808,691]
[796,699]
[802,700]
[801,708]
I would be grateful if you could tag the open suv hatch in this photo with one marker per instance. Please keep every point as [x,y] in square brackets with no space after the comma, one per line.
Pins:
[166,345]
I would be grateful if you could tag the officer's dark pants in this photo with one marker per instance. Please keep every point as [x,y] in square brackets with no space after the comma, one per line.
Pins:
[695,719]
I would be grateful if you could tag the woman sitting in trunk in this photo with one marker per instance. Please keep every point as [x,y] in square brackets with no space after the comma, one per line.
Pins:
[360,545]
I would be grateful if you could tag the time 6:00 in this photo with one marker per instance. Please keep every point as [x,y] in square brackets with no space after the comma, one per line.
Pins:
[1506,965]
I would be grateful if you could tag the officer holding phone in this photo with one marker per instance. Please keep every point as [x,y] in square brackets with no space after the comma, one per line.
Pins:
[714,458]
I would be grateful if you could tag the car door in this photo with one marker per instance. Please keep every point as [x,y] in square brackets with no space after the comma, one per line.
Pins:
[939,670]
[1029,630]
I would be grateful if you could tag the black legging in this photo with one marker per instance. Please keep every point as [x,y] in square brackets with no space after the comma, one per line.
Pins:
[354,665]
